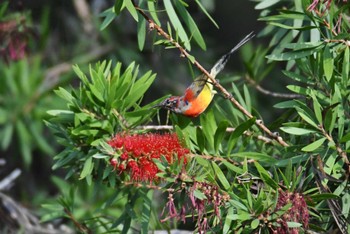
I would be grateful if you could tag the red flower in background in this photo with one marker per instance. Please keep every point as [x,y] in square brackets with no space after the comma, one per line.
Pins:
[138,152]
[298,212]
[14,37]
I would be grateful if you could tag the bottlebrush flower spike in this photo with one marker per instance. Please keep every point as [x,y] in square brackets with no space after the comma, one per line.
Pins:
[137,152]
[297,213]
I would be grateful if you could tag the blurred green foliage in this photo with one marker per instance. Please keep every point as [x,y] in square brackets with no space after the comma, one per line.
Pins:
[260,185]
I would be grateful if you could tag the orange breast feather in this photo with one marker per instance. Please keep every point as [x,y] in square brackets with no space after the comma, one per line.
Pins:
[200,103]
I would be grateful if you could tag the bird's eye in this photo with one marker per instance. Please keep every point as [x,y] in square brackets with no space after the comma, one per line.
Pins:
[170,102]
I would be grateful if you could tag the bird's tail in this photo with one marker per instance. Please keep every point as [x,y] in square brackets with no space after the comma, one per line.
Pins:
[220,64]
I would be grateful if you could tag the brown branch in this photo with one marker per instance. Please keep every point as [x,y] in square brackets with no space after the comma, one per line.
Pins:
[81,227]
[345,42]
[226,94]
[148,186]
[270,93]
[229,130]
[220,159]
[340,151]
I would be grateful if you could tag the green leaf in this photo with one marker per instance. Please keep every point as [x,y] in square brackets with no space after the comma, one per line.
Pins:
[286,104]
[153,12]
[141,32]
[242,216]
[285,14]
[61,92]
[220,175]
[294,224]
[227,223]
[289,27]
[35,129]
[206,13]
[266,4]
[232,167]
[328,63]
[239,130]
[109,17]
[317,107]
[146,210]
[255,223]
[219,134]
[265,176]
[132,10]
[293,55]
[200,139]
[24,142]
[345,138]
[297,131]
[3,8]
[138,89]
[297,77]
[208,124]
[191,24]
[294,160]
[238,205]
[6,136]
[330,119]
[305,115]
[118,6]
[323,196]
[297,89]
[198,194]
[87,169]
[201,161]
[346,67]
[176,23]
[346,204]
[255,155]
[314,145]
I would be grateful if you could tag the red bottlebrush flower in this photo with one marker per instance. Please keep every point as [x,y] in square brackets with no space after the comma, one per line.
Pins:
[211,199]
[124,156]
[113,162]
[137,151]
[298,212]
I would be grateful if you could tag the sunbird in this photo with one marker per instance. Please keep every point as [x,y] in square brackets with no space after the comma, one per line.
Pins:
[200,93]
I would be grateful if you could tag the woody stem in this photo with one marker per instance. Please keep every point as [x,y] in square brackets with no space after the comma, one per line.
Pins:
[225,93]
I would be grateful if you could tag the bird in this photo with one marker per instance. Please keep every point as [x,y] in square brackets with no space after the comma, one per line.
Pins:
[200,93]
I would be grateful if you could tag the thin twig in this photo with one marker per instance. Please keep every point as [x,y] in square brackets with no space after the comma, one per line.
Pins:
[81,227]
[345,42]
[340,151]
[270,93]
[23,220]
[225,93]
[145,185]
[8,180]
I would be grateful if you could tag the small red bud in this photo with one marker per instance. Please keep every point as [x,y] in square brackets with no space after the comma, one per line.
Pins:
[113,162]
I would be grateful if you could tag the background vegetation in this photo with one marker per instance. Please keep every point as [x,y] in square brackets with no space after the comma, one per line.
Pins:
[79,78]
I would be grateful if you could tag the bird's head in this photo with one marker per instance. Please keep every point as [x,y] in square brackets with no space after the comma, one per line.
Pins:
[172,104]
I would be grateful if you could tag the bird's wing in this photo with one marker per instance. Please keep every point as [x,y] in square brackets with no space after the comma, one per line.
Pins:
[196,88]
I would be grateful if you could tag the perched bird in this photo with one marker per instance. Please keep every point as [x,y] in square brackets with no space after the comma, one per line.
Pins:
[200,93]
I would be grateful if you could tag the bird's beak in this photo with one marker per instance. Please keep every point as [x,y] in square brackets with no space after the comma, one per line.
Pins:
[158,105]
